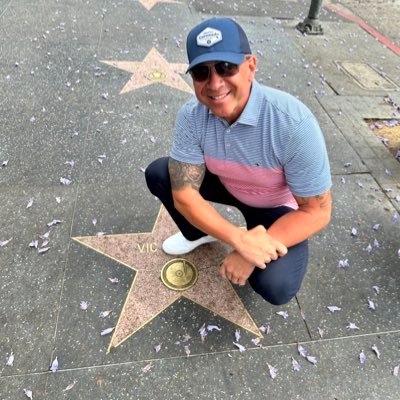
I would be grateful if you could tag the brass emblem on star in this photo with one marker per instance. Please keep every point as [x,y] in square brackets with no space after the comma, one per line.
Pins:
[156,76]
[179,274]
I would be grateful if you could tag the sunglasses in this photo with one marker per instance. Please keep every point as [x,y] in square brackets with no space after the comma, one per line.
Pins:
[202,72]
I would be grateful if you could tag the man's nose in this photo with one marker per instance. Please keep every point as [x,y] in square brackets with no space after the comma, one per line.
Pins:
[214,80]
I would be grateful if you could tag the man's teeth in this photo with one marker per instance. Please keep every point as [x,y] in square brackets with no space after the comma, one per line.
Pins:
[219,97]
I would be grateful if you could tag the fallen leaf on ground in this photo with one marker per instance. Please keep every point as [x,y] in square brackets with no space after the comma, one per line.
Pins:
[240,347]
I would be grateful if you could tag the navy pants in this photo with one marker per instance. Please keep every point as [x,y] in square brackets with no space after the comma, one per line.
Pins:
[281,280]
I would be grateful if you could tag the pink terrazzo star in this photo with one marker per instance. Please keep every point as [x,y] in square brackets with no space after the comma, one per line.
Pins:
[149,4]
[148,296]
[153,69]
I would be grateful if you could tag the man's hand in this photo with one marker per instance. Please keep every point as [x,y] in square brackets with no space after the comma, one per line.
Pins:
[236,269]
[258,248]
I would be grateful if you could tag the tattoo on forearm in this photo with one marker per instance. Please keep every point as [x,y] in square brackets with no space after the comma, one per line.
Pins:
[323,200]
[183,174]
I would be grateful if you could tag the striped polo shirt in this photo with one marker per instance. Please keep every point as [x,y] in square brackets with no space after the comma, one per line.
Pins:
[273,151]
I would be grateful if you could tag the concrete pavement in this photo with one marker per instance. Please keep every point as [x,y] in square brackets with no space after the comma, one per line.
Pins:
[89,95]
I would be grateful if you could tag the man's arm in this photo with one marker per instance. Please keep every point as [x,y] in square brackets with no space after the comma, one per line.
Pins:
[313,214]
[292,228]
[255,245]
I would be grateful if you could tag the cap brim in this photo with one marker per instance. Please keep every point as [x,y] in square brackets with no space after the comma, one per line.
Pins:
[233,58]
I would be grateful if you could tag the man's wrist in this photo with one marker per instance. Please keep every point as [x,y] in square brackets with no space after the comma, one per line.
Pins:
[236,240]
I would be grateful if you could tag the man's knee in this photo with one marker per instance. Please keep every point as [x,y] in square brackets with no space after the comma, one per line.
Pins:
[156,175]
[277,289]
[275,296]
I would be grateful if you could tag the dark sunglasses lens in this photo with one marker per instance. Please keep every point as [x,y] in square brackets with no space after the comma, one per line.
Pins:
[225,69]
[200,72]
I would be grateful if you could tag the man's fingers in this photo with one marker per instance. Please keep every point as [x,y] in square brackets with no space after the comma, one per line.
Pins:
[262,264]
[281,249]
[273,256]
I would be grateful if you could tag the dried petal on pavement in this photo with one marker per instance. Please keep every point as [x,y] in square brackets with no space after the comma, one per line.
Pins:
[273,372]
[54,222]
[371,305]
[211,328]
[283,314]
[148,367]
[106,331]
[237,335]
[45,236]
[320,332]
[4,242]
[65,181]
[375,349]
[352,326]
[302,351]
[70,386]
[313,360]
[343,263]
[240,347]
[296,366]
[10,360]
[34,244]
[54,365]
[368,249]
[104,314]
[265,329]
[187,350]
[157,348]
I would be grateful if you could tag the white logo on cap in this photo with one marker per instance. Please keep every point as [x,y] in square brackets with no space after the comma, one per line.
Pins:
[209,37]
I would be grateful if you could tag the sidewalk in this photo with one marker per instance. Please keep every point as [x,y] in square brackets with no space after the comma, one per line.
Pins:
[89,96]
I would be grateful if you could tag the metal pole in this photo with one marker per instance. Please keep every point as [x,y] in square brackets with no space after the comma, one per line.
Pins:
[311,25]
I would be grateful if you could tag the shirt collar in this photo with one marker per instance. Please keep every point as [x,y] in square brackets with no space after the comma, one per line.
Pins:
[251,112]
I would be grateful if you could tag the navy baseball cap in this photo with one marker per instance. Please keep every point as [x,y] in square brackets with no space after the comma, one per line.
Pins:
[217,39]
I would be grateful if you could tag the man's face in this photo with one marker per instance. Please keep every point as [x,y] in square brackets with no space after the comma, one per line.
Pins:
[226,97]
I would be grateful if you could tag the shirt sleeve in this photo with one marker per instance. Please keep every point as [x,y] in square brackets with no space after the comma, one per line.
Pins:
[186,145]
[306,162]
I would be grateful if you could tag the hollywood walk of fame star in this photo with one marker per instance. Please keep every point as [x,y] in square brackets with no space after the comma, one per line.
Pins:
[148,296]
[153,69]
[148,4]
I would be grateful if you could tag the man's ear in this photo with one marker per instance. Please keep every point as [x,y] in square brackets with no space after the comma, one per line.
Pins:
[252,64]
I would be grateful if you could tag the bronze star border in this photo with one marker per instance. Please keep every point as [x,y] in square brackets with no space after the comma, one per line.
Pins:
[148,4]
[148,296]
[153,69]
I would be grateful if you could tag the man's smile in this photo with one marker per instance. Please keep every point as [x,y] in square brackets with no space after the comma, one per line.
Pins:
[219,97]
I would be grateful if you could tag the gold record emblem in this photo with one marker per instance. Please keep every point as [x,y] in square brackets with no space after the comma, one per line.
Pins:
[156,75]
[179,274]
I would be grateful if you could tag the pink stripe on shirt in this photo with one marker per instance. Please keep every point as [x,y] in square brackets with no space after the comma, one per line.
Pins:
[254,186]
